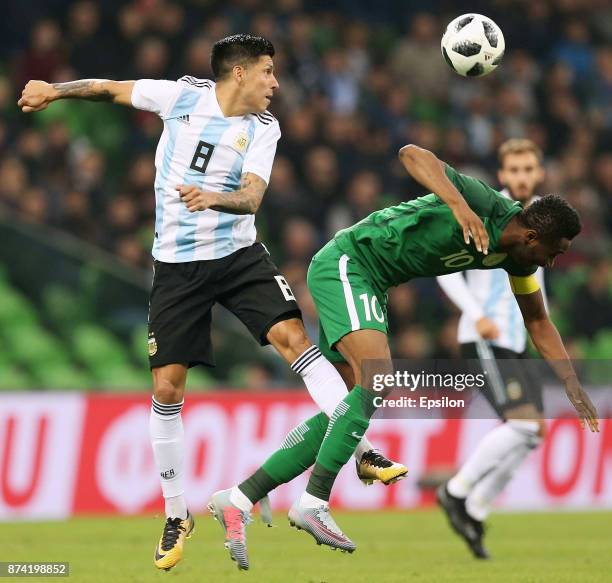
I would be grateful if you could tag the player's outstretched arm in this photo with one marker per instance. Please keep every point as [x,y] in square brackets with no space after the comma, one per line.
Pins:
[244,201]
[37,95]
[548,342]
[428,170]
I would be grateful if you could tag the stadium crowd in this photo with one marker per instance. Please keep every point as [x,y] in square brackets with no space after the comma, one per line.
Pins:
[356,83]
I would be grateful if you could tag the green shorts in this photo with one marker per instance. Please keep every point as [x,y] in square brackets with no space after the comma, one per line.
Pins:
[346,299]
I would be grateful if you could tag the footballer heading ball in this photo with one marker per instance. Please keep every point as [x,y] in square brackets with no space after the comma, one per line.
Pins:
[473,45]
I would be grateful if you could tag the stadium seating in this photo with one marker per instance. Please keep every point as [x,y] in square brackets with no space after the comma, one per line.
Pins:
[67,354]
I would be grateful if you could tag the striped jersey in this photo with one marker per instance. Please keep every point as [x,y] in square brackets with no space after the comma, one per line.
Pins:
[200,146]
[479,293]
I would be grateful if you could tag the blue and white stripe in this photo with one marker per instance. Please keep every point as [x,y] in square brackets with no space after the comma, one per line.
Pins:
[191,114]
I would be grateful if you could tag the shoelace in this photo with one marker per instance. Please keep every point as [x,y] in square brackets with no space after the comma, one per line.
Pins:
[172,530]
[375,458]
[325,517]
[234,522]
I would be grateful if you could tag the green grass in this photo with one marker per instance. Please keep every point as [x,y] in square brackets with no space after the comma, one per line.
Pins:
[392,547]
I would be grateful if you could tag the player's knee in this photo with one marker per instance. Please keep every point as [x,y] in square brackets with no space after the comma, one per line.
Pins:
[167,391]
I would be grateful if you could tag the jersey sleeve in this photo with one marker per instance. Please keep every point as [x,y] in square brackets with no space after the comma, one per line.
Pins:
[480,197]
[156,95]
[458,291]
[260,155]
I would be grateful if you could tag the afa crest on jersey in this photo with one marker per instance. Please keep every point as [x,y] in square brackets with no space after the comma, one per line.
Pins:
[152,345]
[241,141]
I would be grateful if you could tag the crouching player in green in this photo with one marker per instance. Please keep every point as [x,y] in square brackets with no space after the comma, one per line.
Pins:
[464,225]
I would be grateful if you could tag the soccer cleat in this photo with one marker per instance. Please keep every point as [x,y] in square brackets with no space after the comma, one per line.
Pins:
[169,550]
[374,467]
[476,546]
[233,520]
[318,522]
[470,530]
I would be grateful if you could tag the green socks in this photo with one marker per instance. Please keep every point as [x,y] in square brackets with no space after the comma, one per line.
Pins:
[346,427]
[296,454]
[328,445]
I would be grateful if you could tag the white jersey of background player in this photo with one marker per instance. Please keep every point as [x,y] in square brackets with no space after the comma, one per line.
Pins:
[490,317]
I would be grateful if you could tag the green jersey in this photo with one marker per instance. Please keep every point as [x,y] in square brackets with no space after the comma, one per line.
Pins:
[422,238]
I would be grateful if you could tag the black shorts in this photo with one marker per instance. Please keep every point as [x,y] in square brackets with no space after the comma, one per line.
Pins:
[246,282]
[511,379]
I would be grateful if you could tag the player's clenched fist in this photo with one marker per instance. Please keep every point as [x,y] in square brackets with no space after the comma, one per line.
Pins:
[36,95]
[196,199]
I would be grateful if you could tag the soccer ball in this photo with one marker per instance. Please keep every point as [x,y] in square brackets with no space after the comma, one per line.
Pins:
[473,45]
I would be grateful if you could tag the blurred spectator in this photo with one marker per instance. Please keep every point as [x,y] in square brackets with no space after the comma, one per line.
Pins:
[417,57]
[285,196]
[575,47]
[76,216]
[34,206]
[44,56]
[152,59]
[299,240]
[339,82]
[92,53]
[600,99]
[122,219]
[591,307]
[322,178]
[364,196]
[13,180]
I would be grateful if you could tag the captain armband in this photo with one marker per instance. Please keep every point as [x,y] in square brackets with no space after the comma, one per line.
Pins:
[524,285]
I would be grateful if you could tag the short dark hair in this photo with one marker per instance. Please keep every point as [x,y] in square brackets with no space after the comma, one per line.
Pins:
[238,49]
[552,218]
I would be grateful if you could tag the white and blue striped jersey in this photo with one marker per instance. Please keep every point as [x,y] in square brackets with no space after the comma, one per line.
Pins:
[487,292]
[200,146]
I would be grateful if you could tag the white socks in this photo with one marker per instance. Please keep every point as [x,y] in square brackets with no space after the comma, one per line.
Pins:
[492,464]
[480,501]
[491,451]
[309,501]
[325,386]
[166,432]
[322,380]
[239,499]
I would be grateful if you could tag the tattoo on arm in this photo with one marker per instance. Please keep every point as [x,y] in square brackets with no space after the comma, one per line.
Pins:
[245,201]
[90,89]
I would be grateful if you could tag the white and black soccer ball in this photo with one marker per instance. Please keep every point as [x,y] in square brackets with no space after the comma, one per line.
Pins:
[473,45]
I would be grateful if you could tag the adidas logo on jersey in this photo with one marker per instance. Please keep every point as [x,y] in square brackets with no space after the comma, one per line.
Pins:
[184,118]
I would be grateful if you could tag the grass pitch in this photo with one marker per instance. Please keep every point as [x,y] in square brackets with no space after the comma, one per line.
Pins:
[391,547]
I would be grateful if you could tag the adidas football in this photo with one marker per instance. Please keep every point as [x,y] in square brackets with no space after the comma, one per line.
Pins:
[473,45]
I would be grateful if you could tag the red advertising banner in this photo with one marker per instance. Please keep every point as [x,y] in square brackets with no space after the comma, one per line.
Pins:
[64,454]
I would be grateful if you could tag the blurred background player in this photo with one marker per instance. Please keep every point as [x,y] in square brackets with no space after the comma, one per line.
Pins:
[213,164]
[491,328]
